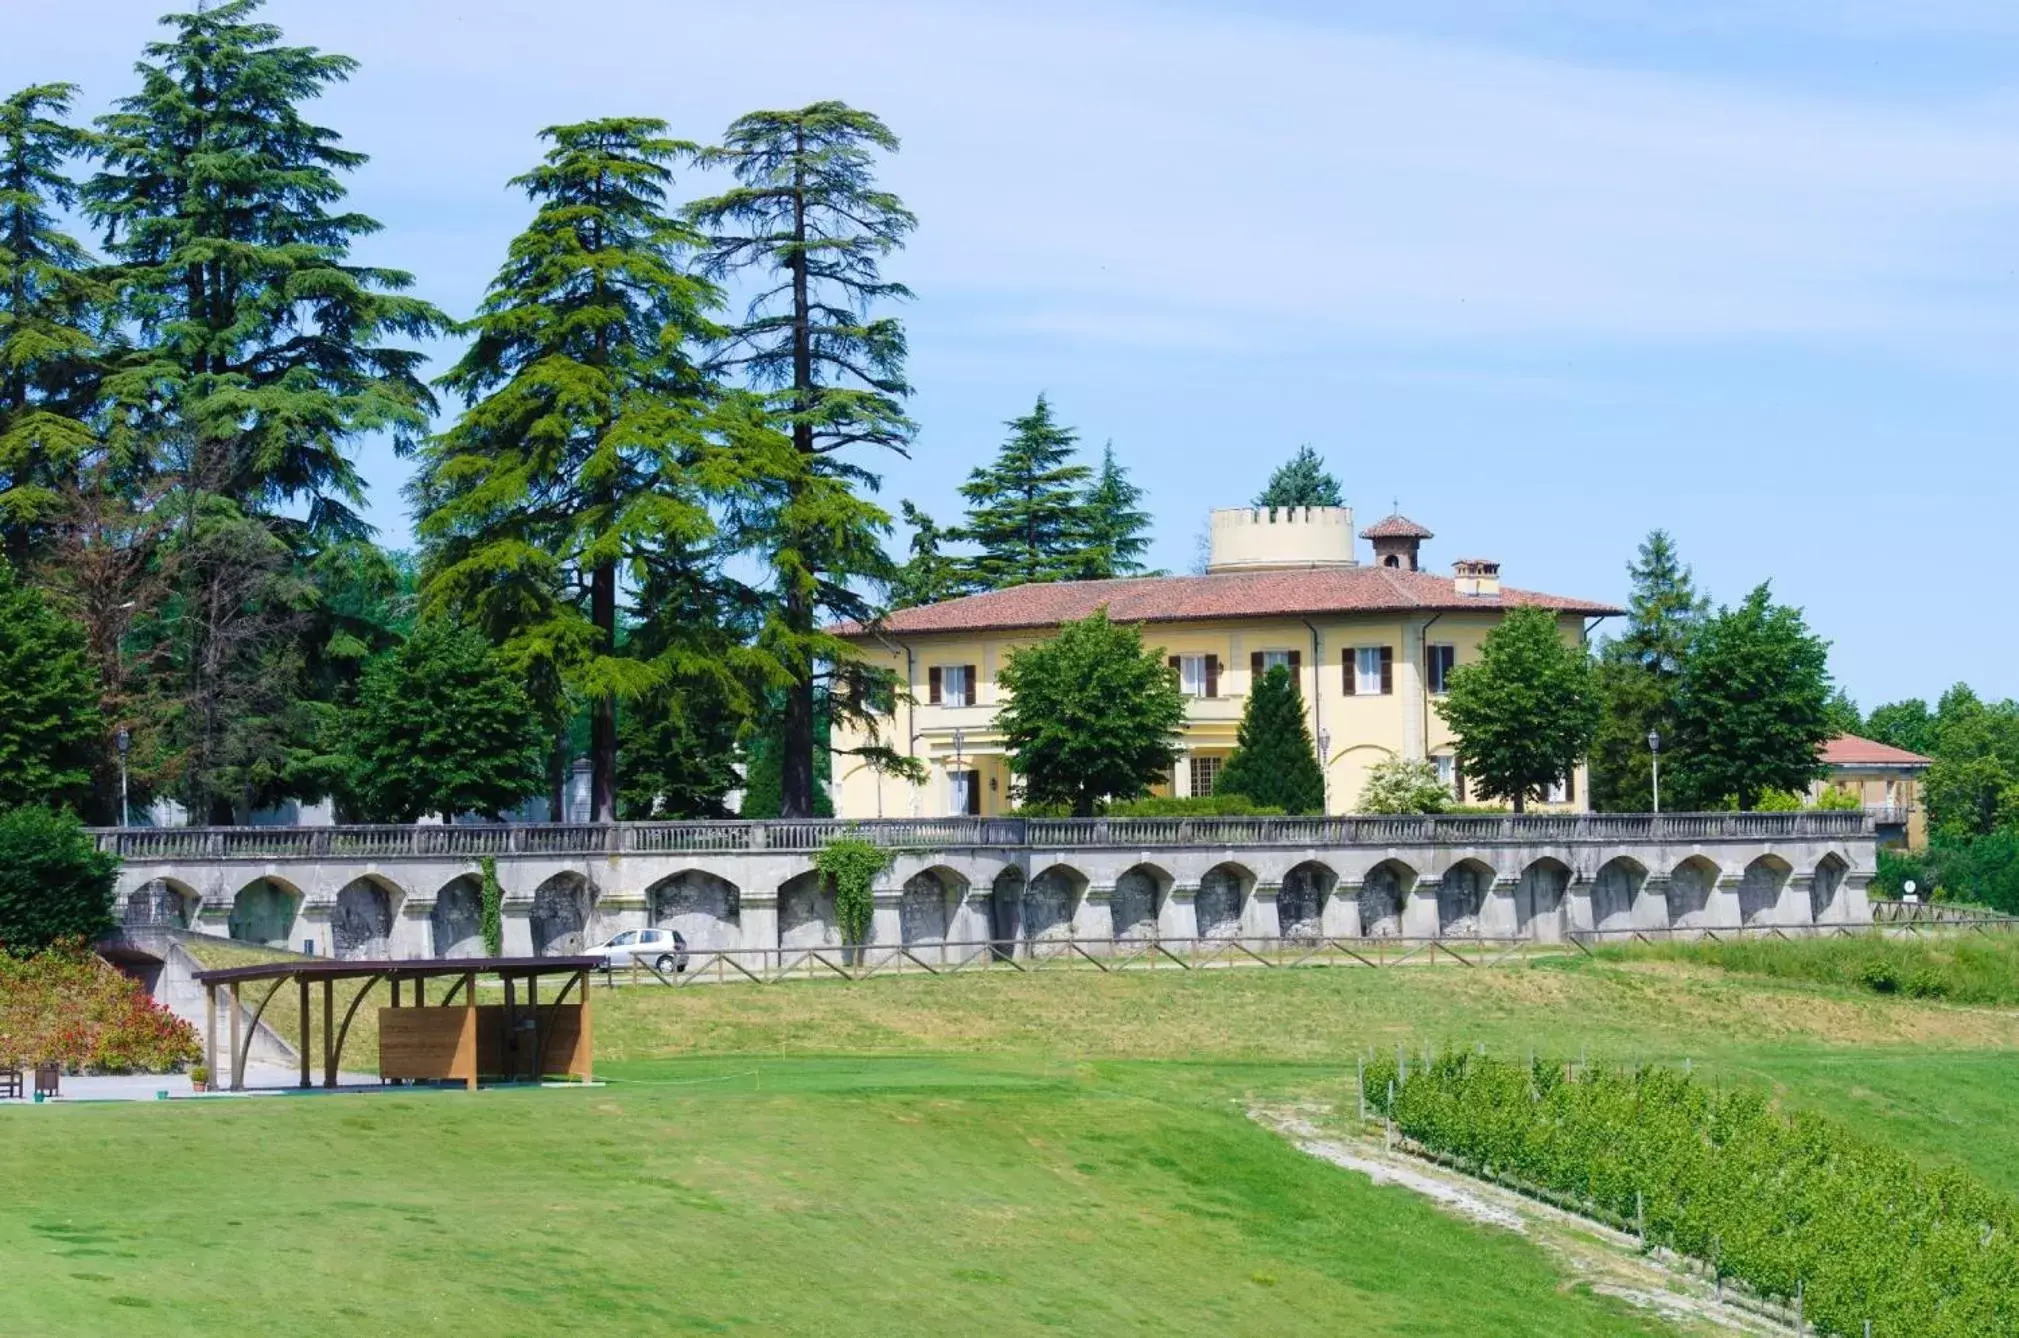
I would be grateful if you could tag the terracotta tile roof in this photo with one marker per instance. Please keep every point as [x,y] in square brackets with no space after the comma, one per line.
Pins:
[1397,526]
[1305,591]
[1848,750]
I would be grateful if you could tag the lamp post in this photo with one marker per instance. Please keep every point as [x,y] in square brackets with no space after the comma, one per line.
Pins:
[1325,768]
[1654,755]
[123,741]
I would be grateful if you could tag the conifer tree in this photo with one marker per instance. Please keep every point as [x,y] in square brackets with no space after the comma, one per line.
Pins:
[587,445]
[1115,528]
[49,722]
[929,575]
[807,221]
[1638,672]
[1302,480]
[1025,509]
[48,310]
[1274,763]
[261,353]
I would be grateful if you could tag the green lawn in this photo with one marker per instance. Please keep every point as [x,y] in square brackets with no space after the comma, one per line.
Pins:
[1000,1152]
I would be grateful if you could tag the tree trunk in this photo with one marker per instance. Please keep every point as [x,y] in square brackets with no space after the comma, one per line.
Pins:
[795,769]
[1521,801]
[557,792]
[603,711]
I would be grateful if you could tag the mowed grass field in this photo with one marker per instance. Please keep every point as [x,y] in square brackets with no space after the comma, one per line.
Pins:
[999,1153]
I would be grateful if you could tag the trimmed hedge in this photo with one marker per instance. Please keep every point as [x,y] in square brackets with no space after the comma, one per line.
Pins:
[1777,1201]
[68,1005]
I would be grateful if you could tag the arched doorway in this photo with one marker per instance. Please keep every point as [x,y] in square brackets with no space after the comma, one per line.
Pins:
[1133,908]
[706,911]
[1300,904]
[560,918]
[925,909]
[1006,910]
[361,922]
[1614,891]
[1461,894]
[457,922]
[1823,888]
[1689,892]
[1538,900]
[1381,894]
[263,912]
[1760,889]
[1048,903]
[1223,892]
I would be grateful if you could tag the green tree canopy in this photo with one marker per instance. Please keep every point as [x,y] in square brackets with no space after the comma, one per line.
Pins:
[1752,706]
[587,445]
[1905,724]
[442,725]
[929,574]
[1973,787]
[1024,508]
[50,730]
[1274,763]
[49,308]
[1525,711]
[1302,480]
[809,226]
[55,883]
[1115,528]
[1404,785]
[1092,715]
[1638,672]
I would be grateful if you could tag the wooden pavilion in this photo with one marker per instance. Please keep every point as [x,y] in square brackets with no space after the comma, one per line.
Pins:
[454,1037]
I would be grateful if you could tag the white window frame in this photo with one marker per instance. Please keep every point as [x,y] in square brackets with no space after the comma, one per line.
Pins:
[1556,793]
[1212,766]
[1439,683]
[1192,675]
[1367,671]
[957,782]
[1447,771]
[1272,658]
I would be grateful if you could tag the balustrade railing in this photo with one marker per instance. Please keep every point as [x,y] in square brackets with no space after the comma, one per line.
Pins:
[464,842]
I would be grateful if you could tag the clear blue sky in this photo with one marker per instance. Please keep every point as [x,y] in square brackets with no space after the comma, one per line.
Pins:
[1552,273]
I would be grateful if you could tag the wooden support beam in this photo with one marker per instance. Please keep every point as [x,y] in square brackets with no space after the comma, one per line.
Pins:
[470,1021]
[508,1035]
[329,1052]
[210,1037]
[302,982]
[588,1029]
[237,1054]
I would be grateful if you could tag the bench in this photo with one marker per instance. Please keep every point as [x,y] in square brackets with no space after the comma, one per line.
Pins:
[10,1083]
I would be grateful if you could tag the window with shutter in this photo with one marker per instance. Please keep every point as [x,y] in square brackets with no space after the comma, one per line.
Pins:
[1387,670]
[1296,671]
[1256,667]
[1438,662]
[1373,671]
[932,685]
[972,678]
[1346,674]
[1212,675]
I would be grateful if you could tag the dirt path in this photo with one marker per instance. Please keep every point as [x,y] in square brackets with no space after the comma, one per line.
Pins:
[1608,1261]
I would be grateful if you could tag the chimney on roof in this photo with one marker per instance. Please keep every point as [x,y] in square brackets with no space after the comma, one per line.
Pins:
[1476,576]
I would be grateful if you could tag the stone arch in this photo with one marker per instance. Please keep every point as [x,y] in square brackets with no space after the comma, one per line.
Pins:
[1223,894]
[160,903]
[1539,899]
[1690,885]
[1614,892]
[1760,889]
[1300,903]
[1824,886]
[264,912]
[456,925]
[925,910]
[1049,900]
[1138,894]
[806,917]
[361,921]
[1006,909]
[560,918]
[1461,896]
[1381,896]
[703,909]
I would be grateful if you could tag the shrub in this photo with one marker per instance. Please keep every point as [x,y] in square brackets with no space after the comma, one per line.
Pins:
[69,1006]
[1969,969]
[55,883]
[1926,983]
[849,867]
[1879,977]
[1198,806]
[1779,1202]
[1404,785]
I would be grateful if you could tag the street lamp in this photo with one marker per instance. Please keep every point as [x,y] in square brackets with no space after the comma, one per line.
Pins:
[124,742]
[1654,754]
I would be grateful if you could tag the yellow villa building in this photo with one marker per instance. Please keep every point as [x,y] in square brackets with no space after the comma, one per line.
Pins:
[1369,644]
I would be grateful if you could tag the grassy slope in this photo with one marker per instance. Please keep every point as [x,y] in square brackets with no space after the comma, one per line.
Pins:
[1008,1152]
[283,1014]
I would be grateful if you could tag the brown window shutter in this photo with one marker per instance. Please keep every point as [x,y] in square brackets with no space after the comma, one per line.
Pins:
[1212,675]
[932,685]
[1387,670]
[1570,787]
[973,685]
[1173,662]
[974,794]
[1296,671]
[1346,671]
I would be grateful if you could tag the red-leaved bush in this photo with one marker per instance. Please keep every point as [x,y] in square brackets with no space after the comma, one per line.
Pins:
[68,1005]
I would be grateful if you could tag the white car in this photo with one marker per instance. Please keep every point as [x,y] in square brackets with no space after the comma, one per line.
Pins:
[661,949]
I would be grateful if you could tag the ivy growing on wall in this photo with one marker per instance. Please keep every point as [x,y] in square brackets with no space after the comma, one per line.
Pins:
[494,910]
[849,867]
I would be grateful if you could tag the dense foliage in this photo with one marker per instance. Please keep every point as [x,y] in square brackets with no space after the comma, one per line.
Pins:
[1965,968]
[1779,1202]
[849,867]
[1753,706]
[1638,672]
[1302,480]
[1215,805]
[1525,711]
[55,883]
[1982,870]
[1274,763]
[69,1006]
[50,726]
[1093,716]
[1404,785]
[491,900]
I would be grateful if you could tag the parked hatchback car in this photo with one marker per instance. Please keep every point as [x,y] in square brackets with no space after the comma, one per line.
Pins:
[663,949]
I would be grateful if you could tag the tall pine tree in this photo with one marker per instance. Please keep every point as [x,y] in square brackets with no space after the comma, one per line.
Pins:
[49,311]
[1115,530]
[1302,480]
[1638,672]
[808,223]
[1274,762]
[1025,507]
[586,446]
[261,354]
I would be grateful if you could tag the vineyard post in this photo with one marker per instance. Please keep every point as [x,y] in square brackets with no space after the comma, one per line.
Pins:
[1800,1328]
[1360,1083]
[1640,1218]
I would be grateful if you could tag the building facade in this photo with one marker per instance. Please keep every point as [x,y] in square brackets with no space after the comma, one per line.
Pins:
[1885,780]
[1369,644]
